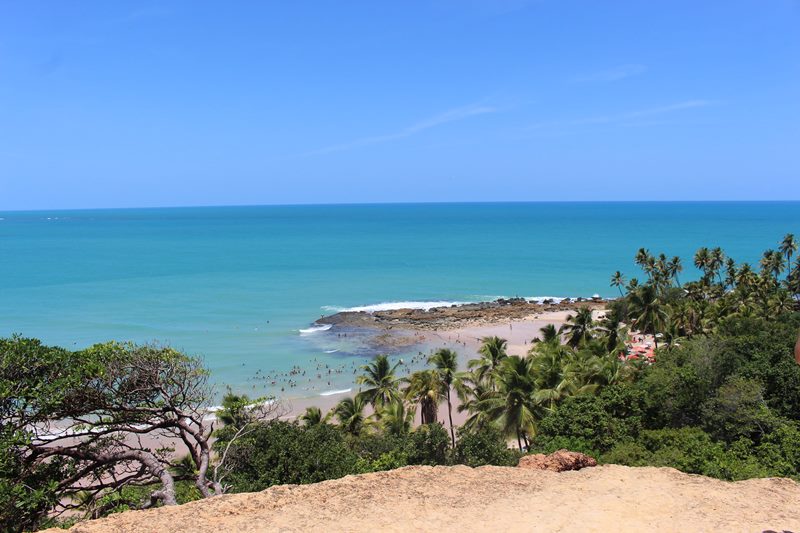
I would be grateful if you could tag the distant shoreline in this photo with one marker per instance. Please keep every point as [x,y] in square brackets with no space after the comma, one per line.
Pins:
[458,315]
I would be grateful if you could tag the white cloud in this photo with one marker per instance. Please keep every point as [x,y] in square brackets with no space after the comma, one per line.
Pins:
[452,115]
[620,72]
[622,117]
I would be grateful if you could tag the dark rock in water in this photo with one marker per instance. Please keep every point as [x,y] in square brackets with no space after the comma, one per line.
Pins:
[501,310]
[558,461]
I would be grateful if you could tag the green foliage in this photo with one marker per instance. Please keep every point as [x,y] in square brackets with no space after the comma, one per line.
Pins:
[429,444]
[592,424]
[283,452]
[483,446]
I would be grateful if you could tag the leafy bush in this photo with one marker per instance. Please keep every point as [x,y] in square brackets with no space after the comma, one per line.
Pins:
[592,424]
[283,452]
[485,446]
[429,444]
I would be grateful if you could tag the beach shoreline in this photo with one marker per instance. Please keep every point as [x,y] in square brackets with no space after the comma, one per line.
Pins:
[460,328]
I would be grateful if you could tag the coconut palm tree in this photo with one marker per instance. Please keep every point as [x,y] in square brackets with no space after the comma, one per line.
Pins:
[350,414]
[788,247]
[397,419]
[644,260]
[715,262]
[547,368]
[549,334]
[618,281]
[513,406]
[772,262]
[675,267]
[649,316]
[312,416]
[702,260]
[474,391]
[424,390]
[445,362]
[381,381]
[493,351]
[578,328]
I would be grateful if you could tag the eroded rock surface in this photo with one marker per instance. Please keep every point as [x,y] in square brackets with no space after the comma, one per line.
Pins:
[558,461]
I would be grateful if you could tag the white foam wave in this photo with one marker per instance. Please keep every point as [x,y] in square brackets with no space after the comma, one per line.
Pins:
[332,392]
[540,299]
[315,329]
[331,351]
[391,306]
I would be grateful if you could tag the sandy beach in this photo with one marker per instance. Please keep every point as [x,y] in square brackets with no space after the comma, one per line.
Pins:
[422,498]
[465,340]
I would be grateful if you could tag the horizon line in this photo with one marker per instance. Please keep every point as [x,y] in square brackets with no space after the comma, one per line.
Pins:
[391,203]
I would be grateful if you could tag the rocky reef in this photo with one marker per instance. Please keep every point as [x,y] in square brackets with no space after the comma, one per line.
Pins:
[455,316]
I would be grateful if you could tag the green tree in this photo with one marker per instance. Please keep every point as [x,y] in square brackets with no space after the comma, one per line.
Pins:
[382,384]
[579,327]
[483,446]
[647,312]
[618,281]
[349,412]
[445,362]
[424,389]
[492,351]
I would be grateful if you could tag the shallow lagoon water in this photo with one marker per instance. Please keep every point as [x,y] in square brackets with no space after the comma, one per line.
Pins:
[242,286]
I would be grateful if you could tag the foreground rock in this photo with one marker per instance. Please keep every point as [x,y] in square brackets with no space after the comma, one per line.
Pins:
[502,310]
[559,461]
[605,498]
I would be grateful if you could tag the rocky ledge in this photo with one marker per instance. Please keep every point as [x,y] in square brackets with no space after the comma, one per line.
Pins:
[501,310]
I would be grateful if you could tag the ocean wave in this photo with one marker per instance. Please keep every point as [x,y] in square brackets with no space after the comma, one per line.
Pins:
[315,329]
[331,351]
[332,392]
[390,306]
[424,305]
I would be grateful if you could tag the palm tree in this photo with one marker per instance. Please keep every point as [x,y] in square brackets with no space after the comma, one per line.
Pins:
[312,416]
[730,272]
[396,419]
[446,363]
[772,263]
[493,351]
[618,281]
[423,389]
[675,267]
[549,334]
[547,370]
[514,405]
[715,262]
[702,259]
[644,260]
[788,247]
[350,414]
[381,382]
[475,390]
[578,328]
[648,314]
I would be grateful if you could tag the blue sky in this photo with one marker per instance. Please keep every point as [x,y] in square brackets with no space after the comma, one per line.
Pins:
[120,104]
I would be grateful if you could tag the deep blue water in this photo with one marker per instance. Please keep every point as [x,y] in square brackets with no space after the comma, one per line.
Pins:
[236,284]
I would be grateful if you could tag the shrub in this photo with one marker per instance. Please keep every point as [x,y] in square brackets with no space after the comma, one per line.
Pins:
[485,446]
[429,444]
[282,452]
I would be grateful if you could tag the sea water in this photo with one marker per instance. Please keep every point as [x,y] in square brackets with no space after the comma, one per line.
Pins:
[242,286]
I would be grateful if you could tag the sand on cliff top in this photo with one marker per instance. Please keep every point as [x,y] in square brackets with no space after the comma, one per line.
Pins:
[459,498]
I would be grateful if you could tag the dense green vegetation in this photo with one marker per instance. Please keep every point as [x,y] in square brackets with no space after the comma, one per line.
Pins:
[720,397]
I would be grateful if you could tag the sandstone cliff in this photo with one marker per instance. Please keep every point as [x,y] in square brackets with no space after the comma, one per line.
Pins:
[605,498]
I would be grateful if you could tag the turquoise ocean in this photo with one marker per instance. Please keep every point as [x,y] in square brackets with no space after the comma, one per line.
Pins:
[241,286]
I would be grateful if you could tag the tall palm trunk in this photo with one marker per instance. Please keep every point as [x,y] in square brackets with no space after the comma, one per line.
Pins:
[519,440]
[450,416]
